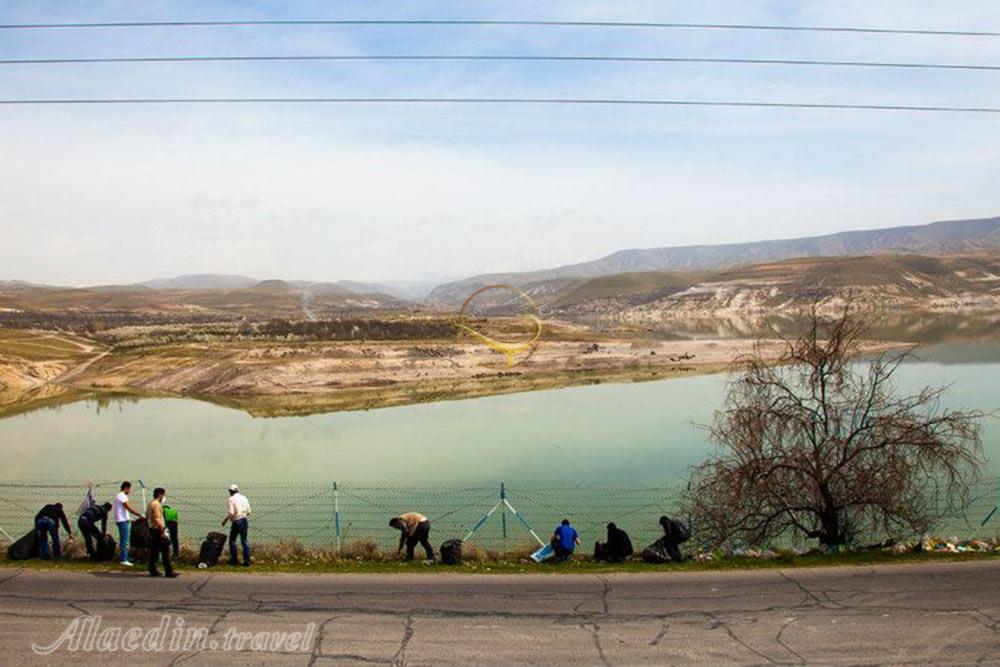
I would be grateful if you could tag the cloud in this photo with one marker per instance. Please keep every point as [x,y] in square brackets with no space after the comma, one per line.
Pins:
[115,194]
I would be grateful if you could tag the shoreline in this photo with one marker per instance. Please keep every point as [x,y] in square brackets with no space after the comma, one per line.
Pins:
[280,378]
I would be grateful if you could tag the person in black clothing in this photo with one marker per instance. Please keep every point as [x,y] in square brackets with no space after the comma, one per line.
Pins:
[619,546]
[675,533]
[87,523]
[47,524]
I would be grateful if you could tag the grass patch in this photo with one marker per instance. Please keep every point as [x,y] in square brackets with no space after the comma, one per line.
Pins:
[365,557]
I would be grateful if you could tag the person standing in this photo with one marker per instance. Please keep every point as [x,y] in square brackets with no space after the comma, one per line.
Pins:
[87,523]
[170,515]
[413,528]
[238,512]
[47,525]
[564,540]
[121,509]
[159,539]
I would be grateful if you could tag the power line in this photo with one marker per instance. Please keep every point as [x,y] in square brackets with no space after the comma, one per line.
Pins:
[495,100]
[530,58]
[477,22]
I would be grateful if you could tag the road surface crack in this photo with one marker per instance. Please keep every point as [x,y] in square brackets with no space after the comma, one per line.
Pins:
[664,626]
[400,657]
[595,634]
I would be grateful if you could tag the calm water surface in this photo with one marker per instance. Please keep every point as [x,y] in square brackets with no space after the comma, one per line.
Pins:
[615,433]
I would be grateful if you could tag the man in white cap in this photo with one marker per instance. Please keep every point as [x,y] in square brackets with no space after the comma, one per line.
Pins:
[238,512]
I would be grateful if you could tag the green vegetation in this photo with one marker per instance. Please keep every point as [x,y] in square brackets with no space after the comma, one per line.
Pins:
[631,286]
[42,347]
[303,563]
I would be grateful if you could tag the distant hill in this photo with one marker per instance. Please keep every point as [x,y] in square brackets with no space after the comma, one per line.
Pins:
[202,281]
[879,281]
[938,282]
[20,283]
[953,236]
[363,288]
[217,281]
[263,299]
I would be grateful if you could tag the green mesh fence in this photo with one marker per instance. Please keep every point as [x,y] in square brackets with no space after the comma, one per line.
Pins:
[325,512]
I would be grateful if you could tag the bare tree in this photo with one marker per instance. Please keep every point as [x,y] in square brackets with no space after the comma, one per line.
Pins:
[820,443]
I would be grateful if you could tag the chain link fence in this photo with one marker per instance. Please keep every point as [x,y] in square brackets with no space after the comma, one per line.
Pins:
[332,513]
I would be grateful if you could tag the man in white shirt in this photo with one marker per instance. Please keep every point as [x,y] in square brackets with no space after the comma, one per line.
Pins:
[121,510]
[238,512]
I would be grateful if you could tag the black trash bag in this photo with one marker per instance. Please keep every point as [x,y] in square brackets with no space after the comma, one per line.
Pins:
[601,551]
[211,549]
[139,541]
[656,554]
[25,548]
[105,549]
[451,552]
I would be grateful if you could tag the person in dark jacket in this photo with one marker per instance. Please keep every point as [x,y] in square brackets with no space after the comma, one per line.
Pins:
[88,522]
[47,524]
[618,546]
[675,533]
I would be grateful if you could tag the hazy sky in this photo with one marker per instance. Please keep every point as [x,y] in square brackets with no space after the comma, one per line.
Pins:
[118,194]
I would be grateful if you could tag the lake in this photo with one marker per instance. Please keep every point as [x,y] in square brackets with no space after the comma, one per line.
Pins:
[624,433]
[608,448]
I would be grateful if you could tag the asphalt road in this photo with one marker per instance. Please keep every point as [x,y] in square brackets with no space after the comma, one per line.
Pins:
[907,614]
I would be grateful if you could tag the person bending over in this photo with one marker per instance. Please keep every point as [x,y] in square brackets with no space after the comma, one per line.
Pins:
[675,533]
[47,525]
[413,527]
[88,524]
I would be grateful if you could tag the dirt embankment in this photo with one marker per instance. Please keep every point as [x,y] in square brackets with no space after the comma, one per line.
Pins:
[270,378]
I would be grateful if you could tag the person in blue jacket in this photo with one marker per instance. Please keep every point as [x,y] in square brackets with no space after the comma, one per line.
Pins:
[564,540]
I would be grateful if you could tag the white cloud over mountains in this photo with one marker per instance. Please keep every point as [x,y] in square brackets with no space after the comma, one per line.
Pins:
[116,194]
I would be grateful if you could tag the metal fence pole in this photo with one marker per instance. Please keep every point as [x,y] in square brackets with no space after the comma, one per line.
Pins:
[336,514]
[503,517]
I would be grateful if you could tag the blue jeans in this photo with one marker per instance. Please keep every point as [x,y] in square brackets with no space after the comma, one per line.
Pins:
[124,533]
[239,527]
[45,527]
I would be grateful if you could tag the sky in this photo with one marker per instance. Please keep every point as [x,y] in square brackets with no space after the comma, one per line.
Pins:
[120,194]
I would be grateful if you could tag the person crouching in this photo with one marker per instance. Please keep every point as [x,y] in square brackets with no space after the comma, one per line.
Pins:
[564,540]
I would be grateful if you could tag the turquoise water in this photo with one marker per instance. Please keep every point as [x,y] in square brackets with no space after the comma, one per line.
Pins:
[613,452]
[613,433]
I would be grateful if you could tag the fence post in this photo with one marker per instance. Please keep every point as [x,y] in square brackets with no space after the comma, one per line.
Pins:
[503,517]
[336,514]
[503,511]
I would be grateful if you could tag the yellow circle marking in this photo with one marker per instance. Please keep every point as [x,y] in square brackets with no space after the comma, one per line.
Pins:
[508,349]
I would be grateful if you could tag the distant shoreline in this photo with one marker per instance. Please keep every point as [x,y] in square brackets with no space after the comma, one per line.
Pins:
[280,378]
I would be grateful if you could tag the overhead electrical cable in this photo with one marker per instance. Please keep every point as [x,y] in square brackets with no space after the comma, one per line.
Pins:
[494,100]
[501,58]
[484,22]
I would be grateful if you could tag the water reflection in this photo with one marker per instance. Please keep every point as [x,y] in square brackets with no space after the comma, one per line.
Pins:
[979,331]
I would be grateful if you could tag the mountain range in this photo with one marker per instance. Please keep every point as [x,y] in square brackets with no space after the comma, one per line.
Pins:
[941,260]
[951,236]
